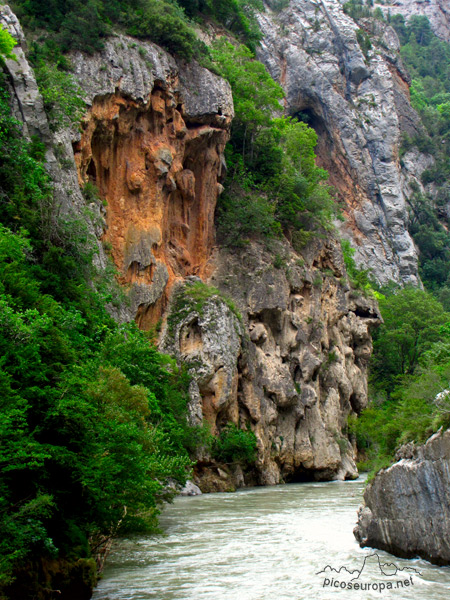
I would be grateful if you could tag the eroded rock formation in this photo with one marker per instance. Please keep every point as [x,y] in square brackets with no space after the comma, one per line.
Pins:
[293,370]
[358,102]
[152,143]
[407,507]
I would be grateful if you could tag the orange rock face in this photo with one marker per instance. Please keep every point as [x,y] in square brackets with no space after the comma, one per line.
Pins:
[160,177]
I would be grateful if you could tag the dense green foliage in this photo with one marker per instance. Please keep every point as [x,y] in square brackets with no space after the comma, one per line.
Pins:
[77,25]
[235,445]
[236,15]
[412,323]
[428,61]
[273,184]
[410,367]
[93,418]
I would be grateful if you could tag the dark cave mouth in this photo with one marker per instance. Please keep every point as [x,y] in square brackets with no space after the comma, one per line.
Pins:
[312,119]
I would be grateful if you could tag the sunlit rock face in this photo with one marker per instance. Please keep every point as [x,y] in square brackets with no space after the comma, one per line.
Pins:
[359,105]
[152,143]
[407,507]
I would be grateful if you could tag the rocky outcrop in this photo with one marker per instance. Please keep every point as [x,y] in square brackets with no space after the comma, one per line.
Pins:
[152,143]
[407,507]
[292,368]
[358,102]
[437,11]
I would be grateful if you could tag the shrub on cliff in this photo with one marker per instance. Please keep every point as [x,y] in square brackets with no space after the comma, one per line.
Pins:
[7,43]
[273,184]
[234,445]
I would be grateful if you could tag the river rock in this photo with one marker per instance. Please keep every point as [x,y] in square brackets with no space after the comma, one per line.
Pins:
[190,489]
[407,507]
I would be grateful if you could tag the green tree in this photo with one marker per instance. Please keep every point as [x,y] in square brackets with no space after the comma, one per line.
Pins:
[92,417]
[412,322]
[256,96]
[274,184]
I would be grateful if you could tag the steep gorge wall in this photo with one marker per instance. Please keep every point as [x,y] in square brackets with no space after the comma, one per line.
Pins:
[359,105]
[293,370]
[152,142]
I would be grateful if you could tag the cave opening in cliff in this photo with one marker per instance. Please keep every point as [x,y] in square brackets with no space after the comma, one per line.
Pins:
[300,476]
[324,148]
[312,119]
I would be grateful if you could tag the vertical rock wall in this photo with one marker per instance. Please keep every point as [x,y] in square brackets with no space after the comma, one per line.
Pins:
[359,104]
[293,370]
[152,143]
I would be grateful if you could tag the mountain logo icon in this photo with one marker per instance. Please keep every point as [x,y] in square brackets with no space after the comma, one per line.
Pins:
[387,575]
[386,569]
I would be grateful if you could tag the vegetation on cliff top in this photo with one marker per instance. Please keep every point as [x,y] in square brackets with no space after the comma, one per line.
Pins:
[77,25]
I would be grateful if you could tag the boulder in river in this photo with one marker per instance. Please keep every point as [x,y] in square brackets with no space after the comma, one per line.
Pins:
[190,489]
[407,506]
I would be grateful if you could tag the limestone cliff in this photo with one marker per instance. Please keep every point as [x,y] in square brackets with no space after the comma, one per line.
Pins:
[293,370]
[407,507]
[152,143]
[358,102]
[290,360]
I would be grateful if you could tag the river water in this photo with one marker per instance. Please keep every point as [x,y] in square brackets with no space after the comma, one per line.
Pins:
[266,543]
